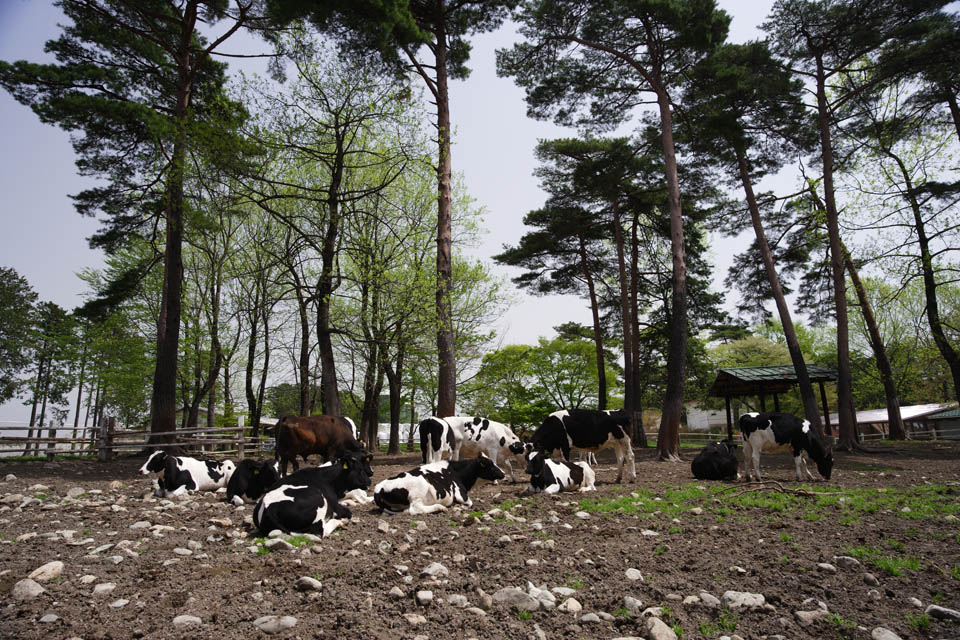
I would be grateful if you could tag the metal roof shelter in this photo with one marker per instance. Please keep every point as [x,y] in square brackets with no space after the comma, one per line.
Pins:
[738,382]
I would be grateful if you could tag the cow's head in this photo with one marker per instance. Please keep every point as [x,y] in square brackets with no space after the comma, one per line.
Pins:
[517,448]
[535,461]
[825,464]
[155,463]
[227,467]
[356,472]
[487,469]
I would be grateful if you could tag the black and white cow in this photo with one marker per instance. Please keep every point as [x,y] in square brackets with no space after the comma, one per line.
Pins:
[772,431]
[251,479]
[494,439]
[308,501]
[716,461]
[547,476]
[434,486]
[438,437]
[180,474]
[587,430]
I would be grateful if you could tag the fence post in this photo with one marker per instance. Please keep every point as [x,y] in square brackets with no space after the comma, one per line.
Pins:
[51,446]
[106,440]
[239,441]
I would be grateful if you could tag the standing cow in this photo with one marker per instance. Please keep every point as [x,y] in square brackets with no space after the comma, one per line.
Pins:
[496,440]
[587,430]
[773,431]
[329,436]
[438,436]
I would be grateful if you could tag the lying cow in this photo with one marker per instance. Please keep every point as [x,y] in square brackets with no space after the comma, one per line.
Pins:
[772,431]
[716,461]
[439,437]
[547,476]
[308,501]
[329,436]
[251,479]
[494,439]
[587,430]
[434,486]
[180,474]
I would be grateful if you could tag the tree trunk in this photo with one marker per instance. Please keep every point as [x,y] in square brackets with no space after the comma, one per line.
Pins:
[597,330]
[628,397]
[636,415]
[447,375]
[394,378]
[668,437]
[947,352]
[954,111]
[329,390]
[847,433]
[807,396]
[894,420]
[163,408]
[303,365]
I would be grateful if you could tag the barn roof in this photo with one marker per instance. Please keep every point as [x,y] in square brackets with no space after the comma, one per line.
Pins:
[753,381]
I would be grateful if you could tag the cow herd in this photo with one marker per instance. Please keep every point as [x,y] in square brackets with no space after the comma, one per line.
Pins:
[312,500]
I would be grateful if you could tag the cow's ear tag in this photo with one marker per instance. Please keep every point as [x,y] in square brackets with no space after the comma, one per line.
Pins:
[346,466]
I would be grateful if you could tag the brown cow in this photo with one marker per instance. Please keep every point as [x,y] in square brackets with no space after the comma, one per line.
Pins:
[330,436]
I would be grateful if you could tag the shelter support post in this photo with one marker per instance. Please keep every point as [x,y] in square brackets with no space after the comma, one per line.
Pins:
[776,402]
[826,411]
[729,419]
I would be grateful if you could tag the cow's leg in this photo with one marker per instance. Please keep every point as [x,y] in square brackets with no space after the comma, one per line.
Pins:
[565,451]
[329,526]
[801,461]
[756,463]
[417,507]
[747,459]
[632,459]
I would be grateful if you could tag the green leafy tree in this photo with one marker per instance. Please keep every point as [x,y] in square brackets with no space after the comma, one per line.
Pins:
[822,41]
[742,101]
[591,63]
[55,351]
[429,40]
[17,299]
[137,82]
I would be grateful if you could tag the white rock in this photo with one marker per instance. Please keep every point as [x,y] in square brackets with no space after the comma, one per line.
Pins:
[691,600]
[104,588]
[9,477]
[396,593]
[883,634]
[826,567]
[276,544]
[435,570]
[26,589]
[119,604]
[184,621]
[87,579]
[806,618]
[696,511]
[649,533]
[563,592]
[47,572]
[583,515]
[846,562]
[738,570]
[571,605]
[590,617]
[657,629]
[414,619]
[75,492]
[634,606]
[424,597]
[634,575]
[735,600]
[915,602]
[275,624]
[50,617]
[942,613]
[709,600]
[307,583]
[516,598]
[871,580]
[458,601]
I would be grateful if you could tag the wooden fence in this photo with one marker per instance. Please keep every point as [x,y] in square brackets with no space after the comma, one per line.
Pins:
[106,441]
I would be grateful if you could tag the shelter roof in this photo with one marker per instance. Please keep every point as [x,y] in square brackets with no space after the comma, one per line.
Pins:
[752,381]
[908,413]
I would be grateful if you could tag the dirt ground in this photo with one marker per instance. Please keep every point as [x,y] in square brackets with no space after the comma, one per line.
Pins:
[684,536]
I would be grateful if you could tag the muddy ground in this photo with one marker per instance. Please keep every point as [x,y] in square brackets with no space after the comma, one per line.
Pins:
[895,509]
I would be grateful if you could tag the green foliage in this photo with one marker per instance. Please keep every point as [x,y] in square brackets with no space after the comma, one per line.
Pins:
[17,300]
[918,621]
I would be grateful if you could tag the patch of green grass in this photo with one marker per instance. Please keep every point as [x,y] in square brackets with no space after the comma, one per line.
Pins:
[299,541]
[524,615]
[918,621]
[955,572]
[41,496]
[785,537]
[937,598]
[510,503]
[843,628]
[575,582]
[476,514]
[678,630]
[622,612]
[675,529]
[660,550]
[896,545]
[812,516]
[728,620]
[453,523]
[892,565]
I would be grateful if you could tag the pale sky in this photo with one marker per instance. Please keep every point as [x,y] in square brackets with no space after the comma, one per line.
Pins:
[45,240]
